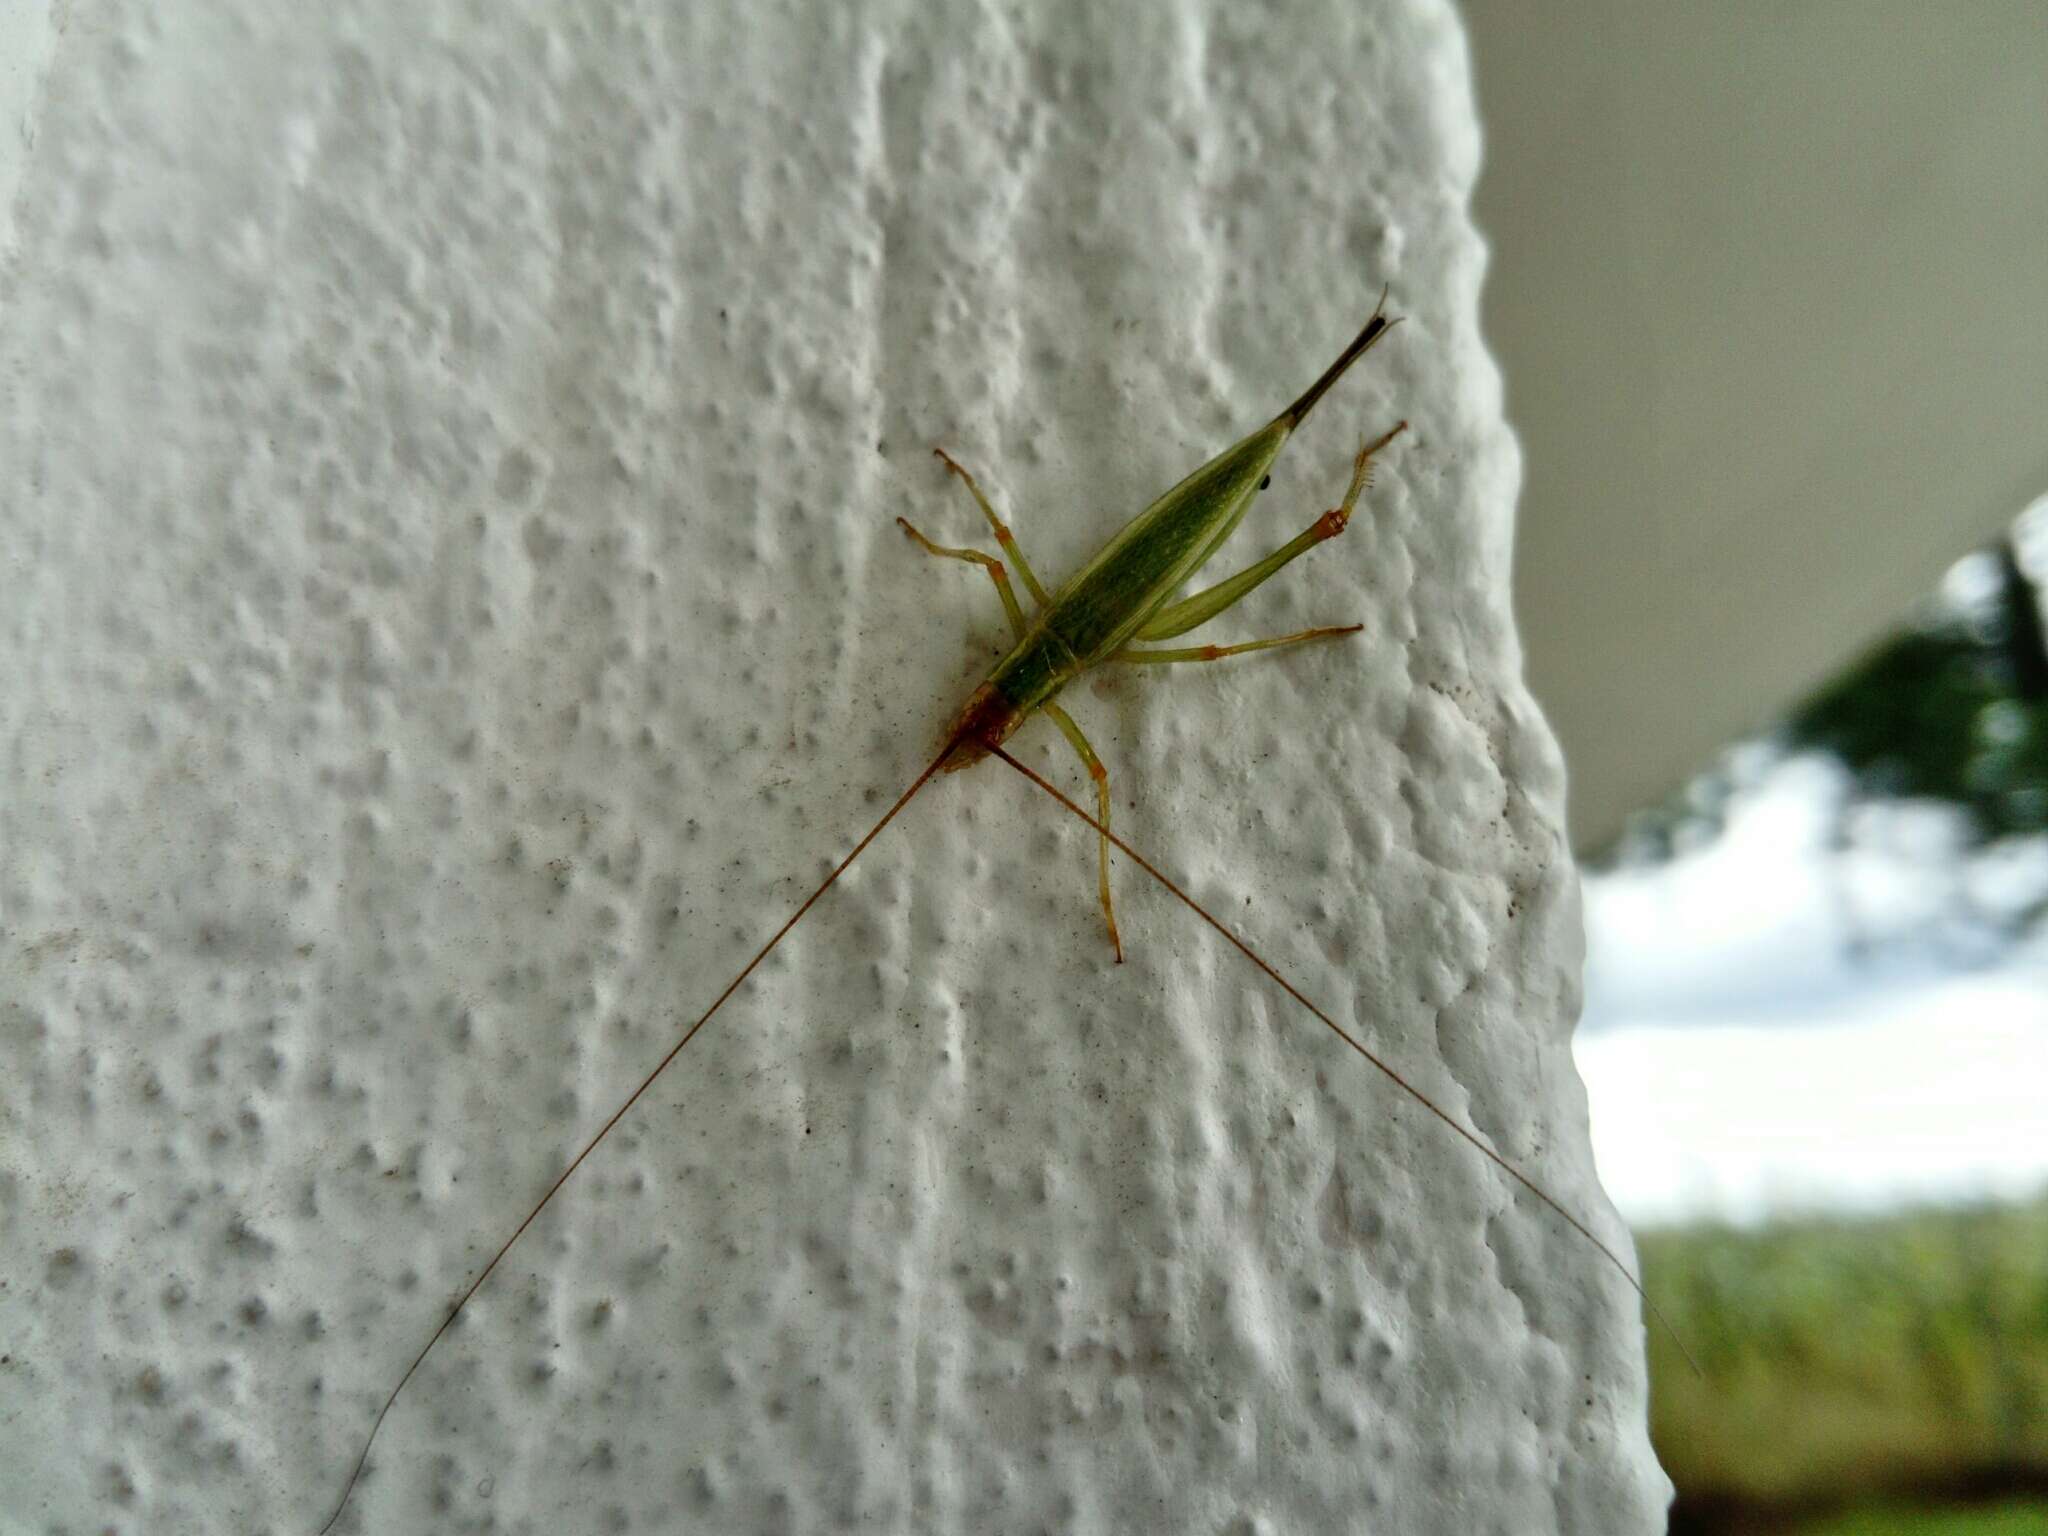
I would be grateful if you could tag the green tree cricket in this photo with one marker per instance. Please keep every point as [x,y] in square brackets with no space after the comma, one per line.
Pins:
[1113,609]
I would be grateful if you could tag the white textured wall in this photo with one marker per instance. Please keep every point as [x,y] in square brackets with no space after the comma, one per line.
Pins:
[448,462]
[28,38]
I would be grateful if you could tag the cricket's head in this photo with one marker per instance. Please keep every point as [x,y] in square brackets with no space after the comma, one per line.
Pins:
[983,725]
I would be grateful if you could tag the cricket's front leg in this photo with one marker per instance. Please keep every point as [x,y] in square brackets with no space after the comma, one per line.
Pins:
[1100,775]
[988,563]
[1001,529]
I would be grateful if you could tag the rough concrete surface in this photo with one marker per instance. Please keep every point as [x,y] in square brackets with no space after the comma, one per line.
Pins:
[448,459]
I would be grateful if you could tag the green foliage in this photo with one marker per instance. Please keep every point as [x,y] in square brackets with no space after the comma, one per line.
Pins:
[1953,711]
[1843,1358]
[2007,1517]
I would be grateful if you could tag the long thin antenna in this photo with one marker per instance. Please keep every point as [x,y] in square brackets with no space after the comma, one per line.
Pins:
[1359,1046]
[620,1114]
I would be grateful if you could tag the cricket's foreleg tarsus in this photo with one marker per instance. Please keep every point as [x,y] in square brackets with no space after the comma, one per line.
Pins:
[988,563]
[1178,618]
[1100,775]
[1004,537]
[1218,652]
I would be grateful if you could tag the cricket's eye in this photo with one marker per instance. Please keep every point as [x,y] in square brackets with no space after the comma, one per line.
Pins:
[1265,482]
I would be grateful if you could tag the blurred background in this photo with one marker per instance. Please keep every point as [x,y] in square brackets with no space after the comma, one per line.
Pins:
[1770,295]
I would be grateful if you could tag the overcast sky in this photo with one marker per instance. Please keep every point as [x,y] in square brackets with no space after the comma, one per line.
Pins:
[1769,1026]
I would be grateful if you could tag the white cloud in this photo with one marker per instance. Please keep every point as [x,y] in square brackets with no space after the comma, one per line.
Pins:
[1743,1058]
[1942,1096]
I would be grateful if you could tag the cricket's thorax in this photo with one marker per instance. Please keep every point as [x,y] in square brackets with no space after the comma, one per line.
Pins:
[1038,666]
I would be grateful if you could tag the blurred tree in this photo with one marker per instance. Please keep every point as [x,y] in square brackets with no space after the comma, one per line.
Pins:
[1949,711]
[1954,709]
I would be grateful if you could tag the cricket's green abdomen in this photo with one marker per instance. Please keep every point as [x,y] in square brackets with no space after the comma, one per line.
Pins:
[1095,614]
[1098,611]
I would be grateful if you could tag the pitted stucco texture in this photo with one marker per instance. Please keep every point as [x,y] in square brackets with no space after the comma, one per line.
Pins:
[449,458]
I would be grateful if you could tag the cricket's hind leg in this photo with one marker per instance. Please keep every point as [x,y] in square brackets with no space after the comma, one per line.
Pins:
[1178,618]
[1218,652]
[1100,775]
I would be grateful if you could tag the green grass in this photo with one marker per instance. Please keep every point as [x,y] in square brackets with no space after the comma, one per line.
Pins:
[2023,1517]
[1846,1358]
